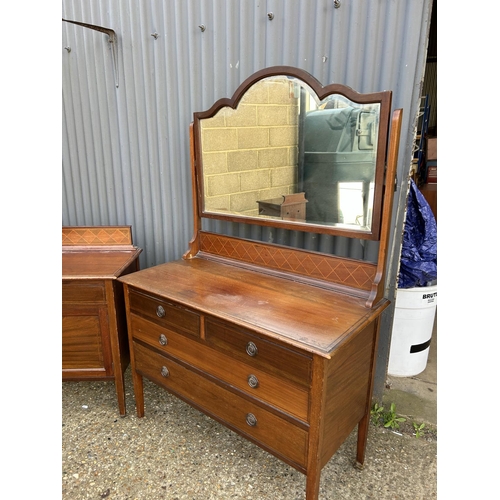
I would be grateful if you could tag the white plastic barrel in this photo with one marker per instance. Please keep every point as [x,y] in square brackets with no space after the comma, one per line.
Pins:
[414,315]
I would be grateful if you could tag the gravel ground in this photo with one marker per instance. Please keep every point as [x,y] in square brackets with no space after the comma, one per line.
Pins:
[177,453]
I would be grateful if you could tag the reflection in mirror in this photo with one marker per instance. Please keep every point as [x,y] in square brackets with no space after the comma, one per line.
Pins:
[283,154]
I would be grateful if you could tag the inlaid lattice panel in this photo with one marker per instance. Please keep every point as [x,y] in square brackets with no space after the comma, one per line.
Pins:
[96,236]
[351,273]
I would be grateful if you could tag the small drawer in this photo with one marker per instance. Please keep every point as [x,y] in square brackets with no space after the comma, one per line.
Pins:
[249,419]
[164,313]
[249,348]
[83,291]
[270,389]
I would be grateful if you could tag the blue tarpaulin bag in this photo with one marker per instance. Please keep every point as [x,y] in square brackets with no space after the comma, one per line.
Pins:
[418,265]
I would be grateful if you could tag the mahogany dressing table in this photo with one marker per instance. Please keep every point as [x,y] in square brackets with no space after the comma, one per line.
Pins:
[94,329]
[276,342]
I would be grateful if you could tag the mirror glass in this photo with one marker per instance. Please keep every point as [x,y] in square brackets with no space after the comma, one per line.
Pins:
[283,156]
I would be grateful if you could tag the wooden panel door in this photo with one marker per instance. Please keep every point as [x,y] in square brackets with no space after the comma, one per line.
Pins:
[86,347]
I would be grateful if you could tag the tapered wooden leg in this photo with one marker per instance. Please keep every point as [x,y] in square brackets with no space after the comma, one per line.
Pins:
[312,484]
[362,439]
[120,392]
[116,350]
[364,423]
[316,429]
[138,393]
[136,378]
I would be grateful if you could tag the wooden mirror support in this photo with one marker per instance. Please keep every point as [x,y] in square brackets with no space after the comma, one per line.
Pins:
[277,343]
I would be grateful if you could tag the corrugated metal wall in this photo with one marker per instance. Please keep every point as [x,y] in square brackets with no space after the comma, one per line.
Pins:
[125,129]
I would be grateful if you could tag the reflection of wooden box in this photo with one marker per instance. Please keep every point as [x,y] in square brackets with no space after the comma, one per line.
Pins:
[432,149]
[289,206]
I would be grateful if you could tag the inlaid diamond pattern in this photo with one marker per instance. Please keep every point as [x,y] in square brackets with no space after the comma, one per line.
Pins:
[96,236]
[326,267]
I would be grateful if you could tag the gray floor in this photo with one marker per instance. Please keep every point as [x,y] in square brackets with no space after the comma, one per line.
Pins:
[177,453]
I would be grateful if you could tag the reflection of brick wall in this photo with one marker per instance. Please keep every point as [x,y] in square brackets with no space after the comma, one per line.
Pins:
[250,153]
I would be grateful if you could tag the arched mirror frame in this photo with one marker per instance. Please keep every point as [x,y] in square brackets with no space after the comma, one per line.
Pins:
[362,279]
[382,98]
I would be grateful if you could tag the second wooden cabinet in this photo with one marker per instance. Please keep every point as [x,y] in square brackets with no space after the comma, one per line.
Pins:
[94,331]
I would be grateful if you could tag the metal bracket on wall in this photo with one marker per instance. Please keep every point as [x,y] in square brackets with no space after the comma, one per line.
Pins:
[113,40]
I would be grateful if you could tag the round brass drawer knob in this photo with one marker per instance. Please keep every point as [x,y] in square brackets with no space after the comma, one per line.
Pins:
[251,419]
[163,340]
[160,312]
[253,381]
[164,371]
[252,349]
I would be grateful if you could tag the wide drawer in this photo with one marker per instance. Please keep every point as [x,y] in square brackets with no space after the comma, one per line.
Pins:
[279,392]
[250,348]
[164,313]
[83,291]
[274,433]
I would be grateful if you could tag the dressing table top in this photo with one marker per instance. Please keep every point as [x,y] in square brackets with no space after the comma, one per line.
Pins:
[305,316]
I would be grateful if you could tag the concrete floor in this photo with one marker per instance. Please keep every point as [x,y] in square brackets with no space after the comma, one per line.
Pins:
[177,453]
